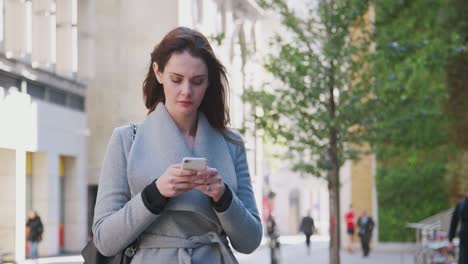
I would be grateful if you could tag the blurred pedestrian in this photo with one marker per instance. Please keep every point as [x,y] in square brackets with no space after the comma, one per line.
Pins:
[460,215]
[307,227]
[350,219]
[272,231]
[366,226]
[176,214]
[34,230]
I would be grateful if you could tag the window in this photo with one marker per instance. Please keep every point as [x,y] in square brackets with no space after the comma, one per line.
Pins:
[221,17]
[75,102]
[56,96]
[2,23]
[7,81]
[197,11]
[41,91]
[36,91]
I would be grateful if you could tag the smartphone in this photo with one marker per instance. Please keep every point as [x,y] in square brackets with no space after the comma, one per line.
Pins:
[193,163]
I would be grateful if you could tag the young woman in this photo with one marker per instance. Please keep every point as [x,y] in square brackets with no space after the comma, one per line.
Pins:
[178,215]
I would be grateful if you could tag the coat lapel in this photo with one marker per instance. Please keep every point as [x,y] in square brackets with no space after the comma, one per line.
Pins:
[159,143]
[211,145]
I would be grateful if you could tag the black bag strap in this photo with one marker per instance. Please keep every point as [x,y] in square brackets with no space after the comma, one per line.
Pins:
[132,248]
[134,129]
[92,255]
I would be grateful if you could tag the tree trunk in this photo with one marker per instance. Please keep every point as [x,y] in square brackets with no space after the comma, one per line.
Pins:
[334,200]
[333,173]
[334,227]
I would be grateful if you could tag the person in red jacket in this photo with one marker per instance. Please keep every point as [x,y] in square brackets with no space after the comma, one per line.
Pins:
[350,219]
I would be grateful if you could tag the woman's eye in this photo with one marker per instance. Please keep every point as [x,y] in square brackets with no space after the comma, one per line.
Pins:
[197,82]
[176,80]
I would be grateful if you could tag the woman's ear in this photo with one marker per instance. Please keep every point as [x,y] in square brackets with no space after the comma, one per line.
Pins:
[157,72]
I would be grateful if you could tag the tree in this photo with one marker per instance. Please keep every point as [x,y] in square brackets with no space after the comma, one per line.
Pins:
[418,93]
[314,107]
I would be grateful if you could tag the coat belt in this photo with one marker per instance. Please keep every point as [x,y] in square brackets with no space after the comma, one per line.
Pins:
[186,245]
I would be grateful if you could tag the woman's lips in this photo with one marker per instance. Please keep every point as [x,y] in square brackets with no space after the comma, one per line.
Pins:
[185,103]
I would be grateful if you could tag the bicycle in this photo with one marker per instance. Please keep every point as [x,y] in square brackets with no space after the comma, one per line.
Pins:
[435,252]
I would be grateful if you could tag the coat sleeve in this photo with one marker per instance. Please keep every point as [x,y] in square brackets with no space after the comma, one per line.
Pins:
[454,223]
[241,220]
[118,218]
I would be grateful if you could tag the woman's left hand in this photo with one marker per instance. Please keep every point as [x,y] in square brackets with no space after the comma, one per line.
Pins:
[210,183]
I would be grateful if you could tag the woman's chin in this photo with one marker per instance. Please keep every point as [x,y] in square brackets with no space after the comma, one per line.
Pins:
[187,111]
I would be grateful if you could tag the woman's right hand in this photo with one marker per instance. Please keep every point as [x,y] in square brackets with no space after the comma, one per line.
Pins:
[176,180]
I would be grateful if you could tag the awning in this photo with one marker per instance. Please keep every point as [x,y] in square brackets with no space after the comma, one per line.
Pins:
[440,221]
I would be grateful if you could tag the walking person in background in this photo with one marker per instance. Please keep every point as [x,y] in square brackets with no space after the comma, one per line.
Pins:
[307,227]
[176,214]
[460,215]
[366,226]
[272,231]
[350,219]
[34,230]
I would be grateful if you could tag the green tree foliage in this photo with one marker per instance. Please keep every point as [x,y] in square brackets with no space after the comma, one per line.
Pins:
[457,106]
[413,110]
[313,68]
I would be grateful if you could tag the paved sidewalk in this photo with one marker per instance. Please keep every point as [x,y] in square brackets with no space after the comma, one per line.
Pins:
[293,250]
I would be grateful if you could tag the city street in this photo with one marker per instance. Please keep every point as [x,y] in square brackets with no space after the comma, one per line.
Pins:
[293,250]
[343,119]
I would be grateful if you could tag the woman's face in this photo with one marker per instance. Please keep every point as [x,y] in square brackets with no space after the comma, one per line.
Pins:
[185,80]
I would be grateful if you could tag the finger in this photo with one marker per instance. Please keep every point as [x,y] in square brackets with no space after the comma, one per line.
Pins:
[208,171]
[202,174]
[211,178]
[176,166]
[201,179]
[208,188]
[206,179]
[198,181]
[212,171]
[207,175]
[184,186]
[216,180]
[196,177]
[182,179]
[184,172]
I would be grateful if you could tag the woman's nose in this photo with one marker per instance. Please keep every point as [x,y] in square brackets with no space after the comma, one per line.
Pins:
[187,88]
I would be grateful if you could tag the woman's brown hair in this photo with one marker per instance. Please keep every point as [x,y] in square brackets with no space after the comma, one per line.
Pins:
[183,39]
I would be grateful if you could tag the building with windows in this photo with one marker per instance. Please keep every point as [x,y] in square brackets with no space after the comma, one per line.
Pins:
[45,62]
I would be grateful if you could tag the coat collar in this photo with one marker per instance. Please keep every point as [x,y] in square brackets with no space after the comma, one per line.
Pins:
[159,143]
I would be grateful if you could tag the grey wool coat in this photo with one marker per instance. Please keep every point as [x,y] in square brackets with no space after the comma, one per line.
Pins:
[188,230]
